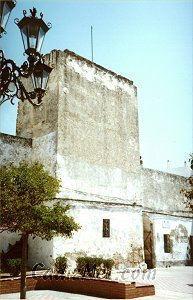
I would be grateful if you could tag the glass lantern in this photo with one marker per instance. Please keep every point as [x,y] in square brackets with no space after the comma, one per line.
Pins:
[40,76]
[33,31]
[5,11]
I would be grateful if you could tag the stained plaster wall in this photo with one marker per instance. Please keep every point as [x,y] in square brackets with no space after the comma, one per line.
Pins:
[86,133]
[179,229]
[161,193]
[14,149]
[6,239]
[40,123]
[97,131]
[125,244]
[44,150]
[40,251]
[97,154]
[90,118]
[33,122]
[92,115]
[164,204]
[125,230]
[98,118]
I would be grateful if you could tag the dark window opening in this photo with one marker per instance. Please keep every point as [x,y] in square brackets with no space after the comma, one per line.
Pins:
[106,227]
[167,243]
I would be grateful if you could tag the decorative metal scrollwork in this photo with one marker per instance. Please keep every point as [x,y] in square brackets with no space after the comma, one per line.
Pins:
[49,25]
[11,85]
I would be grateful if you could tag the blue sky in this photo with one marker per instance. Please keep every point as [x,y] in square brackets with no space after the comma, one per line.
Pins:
[149,42]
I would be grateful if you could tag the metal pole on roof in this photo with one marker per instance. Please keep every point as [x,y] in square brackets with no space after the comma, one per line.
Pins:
[92,43]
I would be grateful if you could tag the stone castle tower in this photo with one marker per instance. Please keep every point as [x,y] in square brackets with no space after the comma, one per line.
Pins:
[86,133]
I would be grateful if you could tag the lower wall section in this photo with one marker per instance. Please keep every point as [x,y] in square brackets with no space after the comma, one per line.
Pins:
[86,286]
[167,264]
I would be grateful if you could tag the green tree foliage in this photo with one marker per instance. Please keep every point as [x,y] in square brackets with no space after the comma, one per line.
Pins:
[26,191]
[188,193]
[28,207]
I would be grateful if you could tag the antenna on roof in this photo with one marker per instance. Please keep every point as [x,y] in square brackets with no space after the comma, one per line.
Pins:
[92,43]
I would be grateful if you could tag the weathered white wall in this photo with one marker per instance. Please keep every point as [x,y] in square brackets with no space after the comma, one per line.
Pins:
[38,121]
[40,251]
[179,229]
[97,155]
[90,119]
[86,133]
[165,205]
[14,149]
[44,150]
[7,238]
[91,182]
[97,141]
[125,230]
[98,116]
[161,193]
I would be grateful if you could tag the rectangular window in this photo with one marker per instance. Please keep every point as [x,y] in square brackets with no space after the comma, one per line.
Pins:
[167,243]
[106,227]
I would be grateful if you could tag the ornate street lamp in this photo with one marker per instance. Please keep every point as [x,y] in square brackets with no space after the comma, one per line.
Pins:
[40,76]
[5,11]
[33,30]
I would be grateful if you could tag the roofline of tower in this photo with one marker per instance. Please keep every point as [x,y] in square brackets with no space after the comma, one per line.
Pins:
[70,53]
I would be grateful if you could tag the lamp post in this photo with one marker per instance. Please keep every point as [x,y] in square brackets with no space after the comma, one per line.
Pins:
[33,30]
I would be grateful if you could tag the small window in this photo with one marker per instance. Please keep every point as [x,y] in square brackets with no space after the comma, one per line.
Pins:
[167,243]
[106,227]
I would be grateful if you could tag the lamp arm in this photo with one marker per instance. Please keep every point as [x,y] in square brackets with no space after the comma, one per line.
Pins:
[11,85]
[10,72]
[27,67]
[35,98]
[30,96]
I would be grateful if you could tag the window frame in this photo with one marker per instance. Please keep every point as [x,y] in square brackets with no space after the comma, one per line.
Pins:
[167,243]
[106,228]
